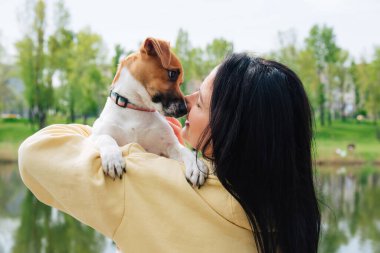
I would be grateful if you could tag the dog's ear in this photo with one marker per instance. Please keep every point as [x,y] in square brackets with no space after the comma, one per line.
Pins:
[160,48]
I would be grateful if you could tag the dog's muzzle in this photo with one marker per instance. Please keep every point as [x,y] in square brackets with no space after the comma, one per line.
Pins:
[175,109]
[171,107]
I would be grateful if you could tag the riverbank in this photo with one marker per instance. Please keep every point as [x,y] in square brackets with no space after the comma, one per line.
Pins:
[343,143]
[347,143]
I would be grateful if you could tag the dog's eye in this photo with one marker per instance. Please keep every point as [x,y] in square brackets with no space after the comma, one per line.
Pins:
[173,75]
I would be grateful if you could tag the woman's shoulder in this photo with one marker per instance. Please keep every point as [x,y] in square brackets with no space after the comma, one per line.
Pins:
[170,175]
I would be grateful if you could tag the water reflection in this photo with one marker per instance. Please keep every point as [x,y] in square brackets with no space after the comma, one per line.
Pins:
[30,226]
[351,222]
[351,219]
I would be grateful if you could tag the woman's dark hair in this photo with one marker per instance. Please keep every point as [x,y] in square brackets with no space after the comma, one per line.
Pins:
[261,131]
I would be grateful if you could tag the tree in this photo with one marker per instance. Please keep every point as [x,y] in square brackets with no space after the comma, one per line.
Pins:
[374,98]
[287,53]
[321,42]
[306,70]
[4,74]
[197,62]
[119,51]
[216,51]
[339,78]
[367,77]
[183,50]
[77,61]
[85,90]
[60,51]
[32,60]
[300,60]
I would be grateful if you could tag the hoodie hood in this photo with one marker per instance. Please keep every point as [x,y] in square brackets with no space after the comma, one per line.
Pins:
[222,202]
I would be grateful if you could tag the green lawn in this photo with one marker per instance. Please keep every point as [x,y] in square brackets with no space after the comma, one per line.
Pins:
[328,139]
[12,133]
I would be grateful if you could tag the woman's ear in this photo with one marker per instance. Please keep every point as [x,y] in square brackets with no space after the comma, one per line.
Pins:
[159,48]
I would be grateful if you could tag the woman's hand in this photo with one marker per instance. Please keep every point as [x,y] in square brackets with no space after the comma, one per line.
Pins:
[177,127]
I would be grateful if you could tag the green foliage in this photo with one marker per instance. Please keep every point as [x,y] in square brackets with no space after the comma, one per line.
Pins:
[288,53]
[66,74]
[85,82]
[76,60]
[367,82]
[32,61]
[216,51]
[321,42]
[339,80]
[197,62]
[7,98]
[189,57]
[119,51]
[330,75]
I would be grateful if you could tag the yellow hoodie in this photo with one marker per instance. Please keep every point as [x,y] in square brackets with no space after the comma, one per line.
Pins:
[152,209]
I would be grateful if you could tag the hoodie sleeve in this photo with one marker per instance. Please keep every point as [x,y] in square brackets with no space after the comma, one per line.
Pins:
[62,168]
[146,211]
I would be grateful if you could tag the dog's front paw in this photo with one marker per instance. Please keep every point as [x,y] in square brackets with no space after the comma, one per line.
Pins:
[113,162]
[196,171]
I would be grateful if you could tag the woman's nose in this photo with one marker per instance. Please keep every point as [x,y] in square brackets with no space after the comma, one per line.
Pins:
[190,100]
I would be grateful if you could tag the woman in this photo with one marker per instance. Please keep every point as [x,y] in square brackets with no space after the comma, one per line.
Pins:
[251,118]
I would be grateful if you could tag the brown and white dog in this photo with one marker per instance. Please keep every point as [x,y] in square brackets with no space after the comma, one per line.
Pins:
[146,87]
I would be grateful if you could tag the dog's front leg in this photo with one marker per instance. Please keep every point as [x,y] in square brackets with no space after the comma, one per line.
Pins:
[113,162]
[196,170]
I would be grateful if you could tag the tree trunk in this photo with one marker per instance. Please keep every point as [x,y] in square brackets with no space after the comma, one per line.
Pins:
[342,111]
[30,115]
[321,101]
[342,93]
[85,118]
[41,119]
[72,115]
[329,119]
[321,96]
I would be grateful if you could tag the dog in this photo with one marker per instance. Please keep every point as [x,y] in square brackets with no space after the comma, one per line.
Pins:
[145,88]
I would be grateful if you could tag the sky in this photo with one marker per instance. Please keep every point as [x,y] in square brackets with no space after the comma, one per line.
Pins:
[252,25]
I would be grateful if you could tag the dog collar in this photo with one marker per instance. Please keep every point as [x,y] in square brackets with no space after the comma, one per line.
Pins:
[124,102]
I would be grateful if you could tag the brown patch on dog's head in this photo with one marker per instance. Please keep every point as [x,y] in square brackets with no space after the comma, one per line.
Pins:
[159,70]
[160,48]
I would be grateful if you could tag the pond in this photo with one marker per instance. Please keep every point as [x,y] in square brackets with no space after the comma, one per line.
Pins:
[351,216]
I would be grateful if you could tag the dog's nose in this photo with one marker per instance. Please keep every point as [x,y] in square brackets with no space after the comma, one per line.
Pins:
[182,108]
[175,109]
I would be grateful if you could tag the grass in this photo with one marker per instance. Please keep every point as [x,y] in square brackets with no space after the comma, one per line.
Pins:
[328,139]
[14,131]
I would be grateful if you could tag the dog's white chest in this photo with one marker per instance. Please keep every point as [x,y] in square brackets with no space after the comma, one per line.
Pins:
[149,129]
